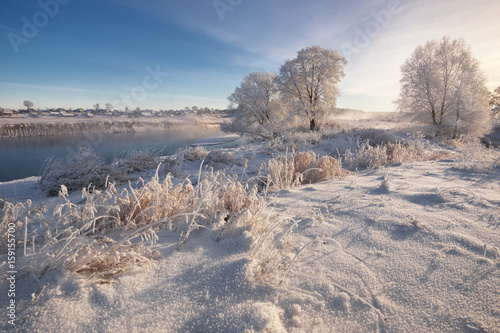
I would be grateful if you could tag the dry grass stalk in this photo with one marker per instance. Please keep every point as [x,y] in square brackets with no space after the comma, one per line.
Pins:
[14,219]
[96,258]
[102,263]
[301,168]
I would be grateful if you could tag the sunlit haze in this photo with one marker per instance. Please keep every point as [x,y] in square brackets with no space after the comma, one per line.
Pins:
[170,54]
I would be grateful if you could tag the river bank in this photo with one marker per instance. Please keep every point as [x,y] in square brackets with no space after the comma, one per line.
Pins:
[25,126]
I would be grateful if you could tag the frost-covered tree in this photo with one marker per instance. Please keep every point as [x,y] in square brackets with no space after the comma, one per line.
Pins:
[309,82]
[109,106]
[28,105]
[258,110]
[443,85]
[495,103]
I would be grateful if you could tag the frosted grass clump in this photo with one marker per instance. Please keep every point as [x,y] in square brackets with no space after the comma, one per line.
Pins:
[368,156]
[475,157]
[137,160]
[222,159]
[193,154]
[300,168]
[105,236]
[79,171]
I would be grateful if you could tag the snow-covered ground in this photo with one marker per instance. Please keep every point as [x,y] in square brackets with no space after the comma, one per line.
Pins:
[414,247]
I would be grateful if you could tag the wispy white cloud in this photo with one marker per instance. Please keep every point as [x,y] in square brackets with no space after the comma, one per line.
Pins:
[47,87]
[268,31]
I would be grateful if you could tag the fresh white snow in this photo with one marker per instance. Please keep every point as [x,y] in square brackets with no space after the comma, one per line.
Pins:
[410,248]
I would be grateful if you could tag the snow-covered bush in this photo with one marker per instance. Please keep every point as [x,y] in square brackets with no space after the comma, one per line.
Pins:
[301,168]
[375,136]
[367,156]
[193,154]
[338,146]
[87,168]
[476,157]
[222,159]
[79,171]
[174,164]
[218,159]
[291,141]
[339,137]
[137,160]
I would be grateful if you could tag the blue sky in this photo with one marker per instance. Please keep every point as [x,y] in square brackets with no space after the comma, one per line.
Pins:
[85,52]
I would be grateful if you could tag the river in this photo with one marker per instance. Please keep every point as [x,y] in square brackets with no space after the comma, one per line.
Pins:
[24,157]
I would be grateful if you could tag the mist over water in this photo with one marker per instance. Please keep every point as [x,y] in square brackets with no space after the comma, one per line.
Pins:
[24,157]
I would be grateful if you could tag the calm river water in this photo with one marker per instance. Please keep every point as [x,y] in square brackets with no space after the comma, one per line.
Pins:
[24,157]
